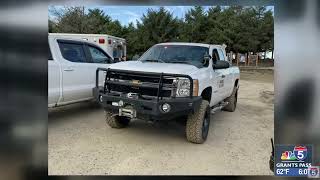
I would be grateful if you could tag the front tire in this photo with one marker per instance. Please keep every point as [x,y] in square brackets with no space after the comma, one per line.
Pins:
[116,121]
[197,126]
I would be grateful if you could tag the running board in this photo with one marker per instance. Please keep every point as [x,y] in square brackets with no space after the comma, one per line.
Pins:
[218,107]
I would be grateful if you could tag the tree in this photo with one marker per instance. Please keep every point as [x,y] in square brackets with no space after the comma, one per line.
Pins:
[250,30]
[113,28]
[181,35]
[52,26]
[130,34]
[96,21]
[221,26]
[126,30]
[196,26]
[242,29]
[267,32]
[215,33]
[157,26]
[70,20]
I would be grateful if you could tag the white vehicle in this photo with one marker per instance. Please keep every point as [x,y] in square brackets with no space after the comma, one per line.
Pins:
[171,80]
[114,46]
[72,66]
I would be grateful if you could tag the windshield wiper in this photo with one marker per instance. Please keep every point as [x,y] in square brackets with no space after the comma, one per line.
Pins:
[154,60]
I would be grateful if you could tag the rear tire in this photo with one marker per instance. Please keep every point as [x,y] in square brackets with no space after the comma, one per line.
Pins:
[232,101]
[116,121]
[197,126]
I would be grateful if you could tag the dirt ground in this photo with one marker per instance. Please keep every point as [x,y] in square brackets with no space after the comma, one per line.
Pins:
[80,142]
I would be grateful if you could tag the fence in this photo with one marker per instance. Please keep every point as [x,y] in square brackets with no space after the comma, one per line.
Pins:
[250,60]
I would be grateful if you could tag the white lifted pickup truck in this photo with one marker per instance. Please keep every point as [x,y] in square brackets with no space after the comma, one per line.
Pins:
[171,80]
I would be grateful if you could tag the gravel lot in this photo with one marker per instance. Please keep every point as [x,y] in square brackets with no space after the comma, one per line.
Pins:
[80,142]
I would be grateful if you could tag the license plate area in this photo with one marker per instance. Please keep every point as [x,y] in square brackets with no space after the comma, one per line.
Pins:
[128,111]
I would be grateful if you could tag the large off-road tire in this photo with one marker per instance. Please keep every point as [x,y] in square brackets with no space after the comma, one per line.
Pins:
[232,101]
[116,121]
[197,126]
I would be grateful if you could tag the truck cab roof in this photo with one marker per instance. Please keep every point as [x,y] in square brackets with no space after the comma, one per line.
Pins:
[193,44]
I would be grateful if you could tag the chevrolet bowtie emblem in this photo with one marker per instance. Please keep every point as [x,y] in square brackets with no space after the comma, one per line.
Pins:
[136,82]
[132,95]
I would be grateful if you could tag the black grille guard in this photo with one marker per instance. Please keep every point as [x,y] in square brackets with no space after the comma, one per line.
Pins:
[158,85]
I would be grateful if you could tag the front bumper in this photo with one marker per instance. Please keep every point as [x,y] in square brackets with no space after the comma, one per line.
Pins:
[148,108]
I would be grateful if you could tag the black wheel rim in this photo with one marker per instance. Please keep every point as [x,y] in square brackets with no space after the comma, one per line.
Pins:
[205,126]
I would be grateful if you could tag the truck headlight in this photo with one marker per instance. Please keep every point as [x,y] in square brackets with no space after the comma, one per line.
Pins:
[183,87]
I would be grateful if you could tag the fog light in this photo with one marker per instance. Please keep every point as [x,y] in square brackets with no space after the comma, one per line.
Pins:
[100,98]
[165,107]
[115,104]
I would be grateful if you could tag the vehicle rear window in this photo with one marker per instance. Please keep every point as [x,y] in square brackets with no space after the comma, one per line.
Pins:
[72,52]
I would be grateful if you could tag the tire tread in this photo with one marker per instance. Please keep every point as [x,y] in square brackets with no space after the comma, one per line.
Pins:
[194,124]
[231,107]
[116,121]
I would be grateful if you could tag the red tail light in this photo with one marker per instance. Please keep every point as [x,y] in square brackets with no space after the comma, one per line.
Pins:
[101,41]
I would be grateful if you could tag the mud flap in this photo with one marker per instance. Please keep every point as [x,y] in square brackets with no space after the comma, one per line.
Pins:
[271,161]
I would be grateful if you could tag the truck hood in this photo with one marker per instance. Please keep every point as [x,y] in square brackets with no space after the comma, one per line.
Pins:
[155,67]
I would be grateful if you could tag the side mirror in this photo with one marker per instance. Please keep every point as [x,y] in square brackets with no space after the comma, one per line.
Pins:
[116,59]
[135,57]
[221,65]
[108,60]
[105,60]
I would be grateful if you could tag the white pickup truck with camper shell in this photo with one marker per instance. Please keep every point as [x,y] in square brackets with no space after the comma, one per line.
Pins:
[72,65]
[168,81]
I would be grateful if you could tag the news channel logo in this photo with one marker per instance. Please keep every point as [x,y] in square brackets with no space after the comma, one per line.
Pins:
[299,153]
[314,172]
[293,160]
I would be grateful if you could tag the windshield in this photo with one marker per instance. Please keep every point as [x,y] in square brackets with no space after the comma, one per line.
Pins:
[176,54]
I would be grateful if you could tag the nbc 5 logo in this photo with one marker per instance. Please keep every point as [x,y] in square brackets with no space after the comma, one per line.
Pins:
[300,152]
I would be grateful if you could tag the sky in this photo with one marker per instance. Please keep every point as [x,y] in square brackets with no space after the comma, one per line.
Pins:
[127,14]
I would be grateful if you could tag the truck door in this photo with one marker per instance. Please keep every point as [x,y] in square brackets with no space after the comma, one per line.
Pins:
[53,80]
[76,76]
[219,75]
[97,58]
[228,84]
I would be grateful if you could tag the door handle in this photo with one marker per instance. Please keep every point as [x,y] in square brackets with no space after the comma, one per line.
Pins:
[69,69]
[223,76]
